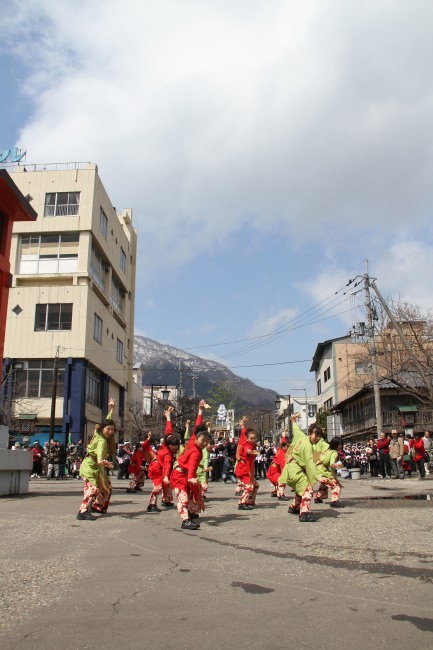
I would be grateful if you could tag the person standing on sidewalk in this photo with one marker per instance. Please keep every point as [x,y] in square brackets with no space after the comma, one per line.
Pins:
[38,454]
[53,462]
[396,454]
[383,450]
[427,447]
[418,454]
[371,451]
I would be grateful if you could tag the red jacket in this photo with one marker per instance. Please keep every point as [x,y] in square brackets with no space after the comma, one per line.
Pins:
[383,446]
[419,450]
[37,453]
[164,458]
[276,467]
[189,460]
[148,452]
[136,462]
[280,459]
[245,466]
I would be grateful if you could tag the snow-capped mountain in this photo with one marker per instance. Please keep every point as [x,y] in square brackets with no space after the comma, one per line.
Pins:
[162,364]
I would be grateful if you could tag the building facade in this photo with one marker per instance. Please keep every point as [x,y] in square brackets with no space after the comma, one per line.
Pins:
[357,413]
[71,305]
[338,371]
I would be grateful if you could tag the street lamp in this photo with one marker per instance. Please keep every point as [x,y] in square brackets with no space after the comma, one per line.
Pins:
[164,392]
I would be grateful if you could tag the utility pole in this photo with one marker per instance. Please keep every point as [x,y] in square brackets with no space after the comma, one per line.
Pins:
[180,387]
[54,393]
[373,354]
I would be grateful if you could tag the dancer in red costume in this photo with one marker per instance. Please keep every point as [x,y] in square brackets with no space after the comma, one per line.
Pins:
[160,467]
[242,439]
[274,472]
[183,478]
[136,470]
[245,470]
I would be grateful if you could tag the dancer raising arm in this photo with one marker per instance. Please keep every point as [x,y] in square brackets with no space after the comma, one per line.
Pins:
[183,478]
[161,467]
[97,485]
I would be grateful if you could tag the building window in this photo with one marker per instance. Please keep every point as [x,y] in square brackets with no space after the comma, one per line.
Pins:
[52,317]
[93,387]
[62,204]
[319,386]
[98,267]
[327,374]
[361,368]
[328,404]
[122,260]
[36,378]
[53,253]
[119,351]
[117,295]
[103,223]
[97,329]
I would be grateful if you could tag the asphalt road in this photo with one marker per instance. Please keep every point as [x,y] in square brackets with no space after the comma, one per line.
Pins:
[362,576]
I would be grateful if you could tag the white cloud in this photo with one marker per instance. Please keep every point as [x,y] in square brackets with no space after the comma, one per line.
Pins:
[269,323]
[401,271]
[405,273]
[310,117]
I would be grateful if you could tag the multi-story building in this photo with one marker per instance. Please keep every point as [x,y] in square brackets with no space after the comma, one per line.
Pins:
[71,305]
[304,407]
[338,370]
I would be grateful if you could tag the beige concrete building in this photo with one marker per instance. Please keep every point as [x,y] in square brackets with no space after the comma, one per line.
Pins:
[339,370]
[72,297]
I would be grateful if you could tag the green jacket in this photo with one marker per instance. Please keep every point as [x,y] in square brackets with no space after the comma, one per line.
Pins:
[97,451]
[326,459]
[303,470]
[202,475]
[319,447]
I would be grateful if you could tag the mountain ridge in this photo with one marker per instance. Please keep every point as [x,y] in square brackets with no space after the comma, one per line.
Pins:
[162,363]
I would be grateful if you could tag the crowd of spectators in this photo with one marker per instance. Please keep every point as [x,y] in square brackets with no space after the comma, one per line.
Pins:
[53,460]
[397,455]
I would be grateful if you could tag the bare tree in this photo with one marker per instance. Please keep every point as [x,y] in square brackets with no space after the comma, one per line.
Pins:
[13,401]
[410,370]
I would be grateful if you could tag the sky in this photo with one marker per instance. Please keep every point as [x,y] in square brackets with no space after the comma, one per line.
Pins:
[268,148]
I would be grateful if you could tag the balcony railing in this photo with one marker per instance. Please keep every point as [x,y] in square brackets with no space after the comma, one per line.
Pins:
[97,278]
[62,210]
[390,419]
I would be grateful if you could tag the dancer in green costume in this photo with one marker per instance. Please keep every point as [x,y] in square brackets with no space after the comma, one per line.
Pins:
[326,466]
[300,470]
[97,485]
